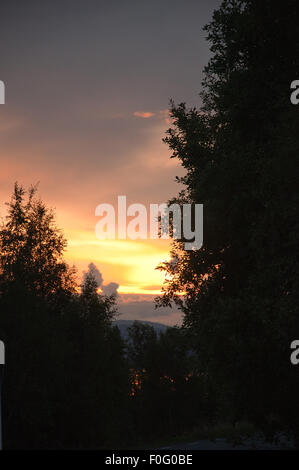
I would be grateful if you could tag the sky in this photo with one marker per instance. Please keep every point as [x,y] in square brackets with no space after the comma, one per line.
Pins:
[88,84]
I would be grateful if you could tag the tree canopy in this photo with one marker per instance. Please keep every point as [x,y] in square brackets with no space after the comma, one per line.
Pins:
[240,153]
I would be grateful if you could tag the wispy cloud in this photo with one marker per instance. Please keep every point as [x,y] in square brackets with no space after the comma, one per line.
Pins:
[143,114]
[145,310]
[162,114]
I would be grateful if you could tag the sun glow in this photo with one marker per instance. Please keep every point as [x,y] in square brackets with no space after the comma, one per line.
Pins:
[130,263]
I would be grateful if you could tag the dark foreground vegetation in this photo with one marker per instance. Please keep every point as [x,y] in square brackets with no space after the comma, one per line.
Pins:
[70,381]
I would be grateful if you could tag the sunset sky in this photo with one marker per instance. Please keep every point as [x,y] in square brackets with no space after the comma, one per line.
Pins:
[88,85]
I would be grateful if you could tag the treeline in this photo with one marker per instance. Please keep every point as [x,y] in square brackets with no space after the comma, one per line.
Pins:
[70,381]
[167,395]
[65,381]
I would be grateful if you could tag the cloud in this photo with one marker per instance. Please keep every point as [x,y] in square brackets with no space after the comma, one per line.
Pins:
[163,115]
[109,289]
[134,306]
[143,114]
[145,310]
[93,271]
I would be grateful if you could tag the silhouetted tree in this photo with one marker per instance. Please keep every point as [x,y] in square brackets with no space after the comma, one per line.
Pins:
[240,153]
[165,384]
[66,379]
[31,247]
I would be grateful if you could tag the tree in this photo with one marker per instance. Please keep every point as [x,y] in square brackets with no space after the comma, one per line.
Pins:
[240,153]
[94,304]
[165,383]
[66,380]
[31,247]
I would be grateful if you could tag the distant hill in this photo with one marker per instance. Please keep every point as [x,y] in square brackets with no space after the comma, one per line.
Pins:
[123,326]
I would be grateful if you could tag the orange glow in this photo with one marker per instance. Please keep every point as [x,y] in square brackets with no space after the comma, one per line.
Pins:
[143,114]
[130,263]
[74,190]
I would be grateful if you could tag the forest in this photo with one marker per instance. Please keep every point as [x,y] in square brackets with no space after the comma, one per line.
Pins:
[71,381]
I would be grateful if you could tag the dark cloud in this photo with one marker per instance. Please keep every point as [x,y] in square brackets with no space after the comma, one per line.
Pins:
[77,71]
[108,289]
[95,273]
[145,310]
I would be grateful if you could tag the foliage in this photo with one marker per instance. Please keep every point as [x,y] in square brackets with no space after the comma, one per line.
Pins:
[66,380]
[240,153]
[167,395]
